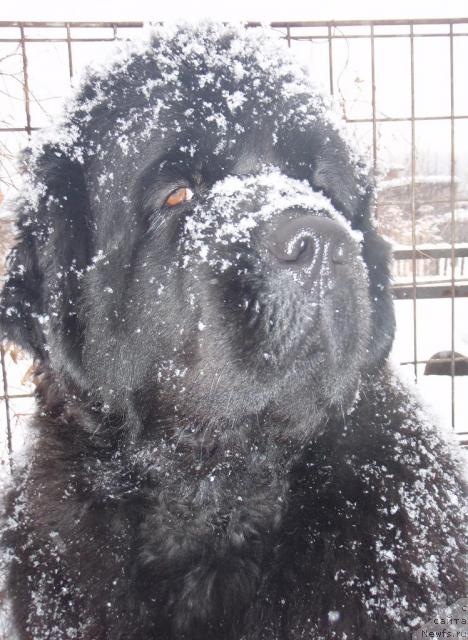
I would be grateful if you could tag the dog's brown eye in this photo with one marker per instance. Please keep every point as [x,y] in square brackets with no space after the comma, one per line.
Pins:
[178,196]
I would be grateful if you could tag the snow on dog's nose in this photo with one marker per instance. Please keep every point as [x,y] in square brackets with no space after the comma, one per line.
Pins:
[292,218]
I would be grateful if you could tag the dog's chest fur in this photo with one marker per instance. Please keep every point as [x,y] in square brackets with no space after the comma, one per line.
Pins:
[260,547]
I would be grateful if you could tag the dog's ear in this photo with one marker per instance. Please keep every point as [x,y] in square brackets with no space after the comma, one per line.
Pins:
[377,255]
[45,268]
[351,190]
[20,301]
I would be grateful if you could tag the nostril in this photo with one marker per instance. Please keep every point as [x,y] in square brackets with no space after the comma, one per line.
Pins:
[305,240]
[339,253]
[292,250]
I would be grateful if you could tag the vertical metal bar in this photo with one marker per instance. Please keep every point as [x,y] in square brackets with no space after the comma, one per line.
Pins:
[70,57]
[7,407]
[413,204]
[25,80]
[330,59]
[452,224]
[288,36]
[374,121]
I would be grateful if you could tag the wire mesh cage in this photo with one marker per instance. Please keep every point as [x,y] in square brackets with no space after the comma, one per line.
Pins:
[400,85]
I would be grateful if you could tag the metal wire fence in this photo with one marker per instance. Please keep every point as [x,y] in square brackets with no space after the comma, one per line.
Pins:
[400,85]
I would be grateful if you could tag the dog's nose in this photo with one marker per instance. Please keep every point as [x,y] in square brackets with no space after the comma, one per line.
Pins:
[299,240]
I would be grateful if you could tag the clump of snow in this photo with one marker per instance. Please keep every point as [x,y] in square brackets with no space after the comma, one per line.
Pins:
[238,204]
[333,616]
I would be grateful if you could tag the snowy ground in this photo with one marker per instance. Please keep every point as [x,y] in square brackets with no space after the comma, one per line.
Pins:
[433,334]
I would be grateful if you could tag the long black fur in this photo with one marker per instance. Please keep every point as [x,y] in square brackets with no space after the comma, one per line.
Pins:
[221,452]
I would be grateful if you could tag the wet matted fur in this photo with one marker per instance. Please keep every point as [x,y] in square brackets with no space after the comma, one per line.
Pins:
[221,452]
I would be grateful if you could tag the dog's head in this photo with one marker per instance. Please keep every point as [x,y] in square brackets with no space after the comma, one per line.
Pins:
[197,236]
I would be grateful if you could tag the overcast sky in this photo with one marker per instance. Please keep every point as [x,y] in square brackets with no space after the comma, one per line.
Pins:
[230,9]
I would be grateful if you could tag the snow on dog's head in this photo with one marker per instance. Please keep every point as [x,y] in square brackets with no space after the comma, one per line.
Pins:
[197,209]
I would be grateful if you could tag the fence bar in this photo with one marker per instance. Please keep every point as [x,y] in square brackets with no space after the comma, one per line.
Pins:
[26,83]
[7,406]
[281,25]
[379,36]
[330,60]
[452,224]
[457,359]
[278,25]
[374,109]
[408,119]
[339,36]
[349,120]
[413,204]
[69,49]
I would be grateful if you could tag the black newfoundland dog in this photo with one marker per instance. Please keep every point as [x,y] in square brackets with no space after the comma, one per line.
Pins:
[221,452]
